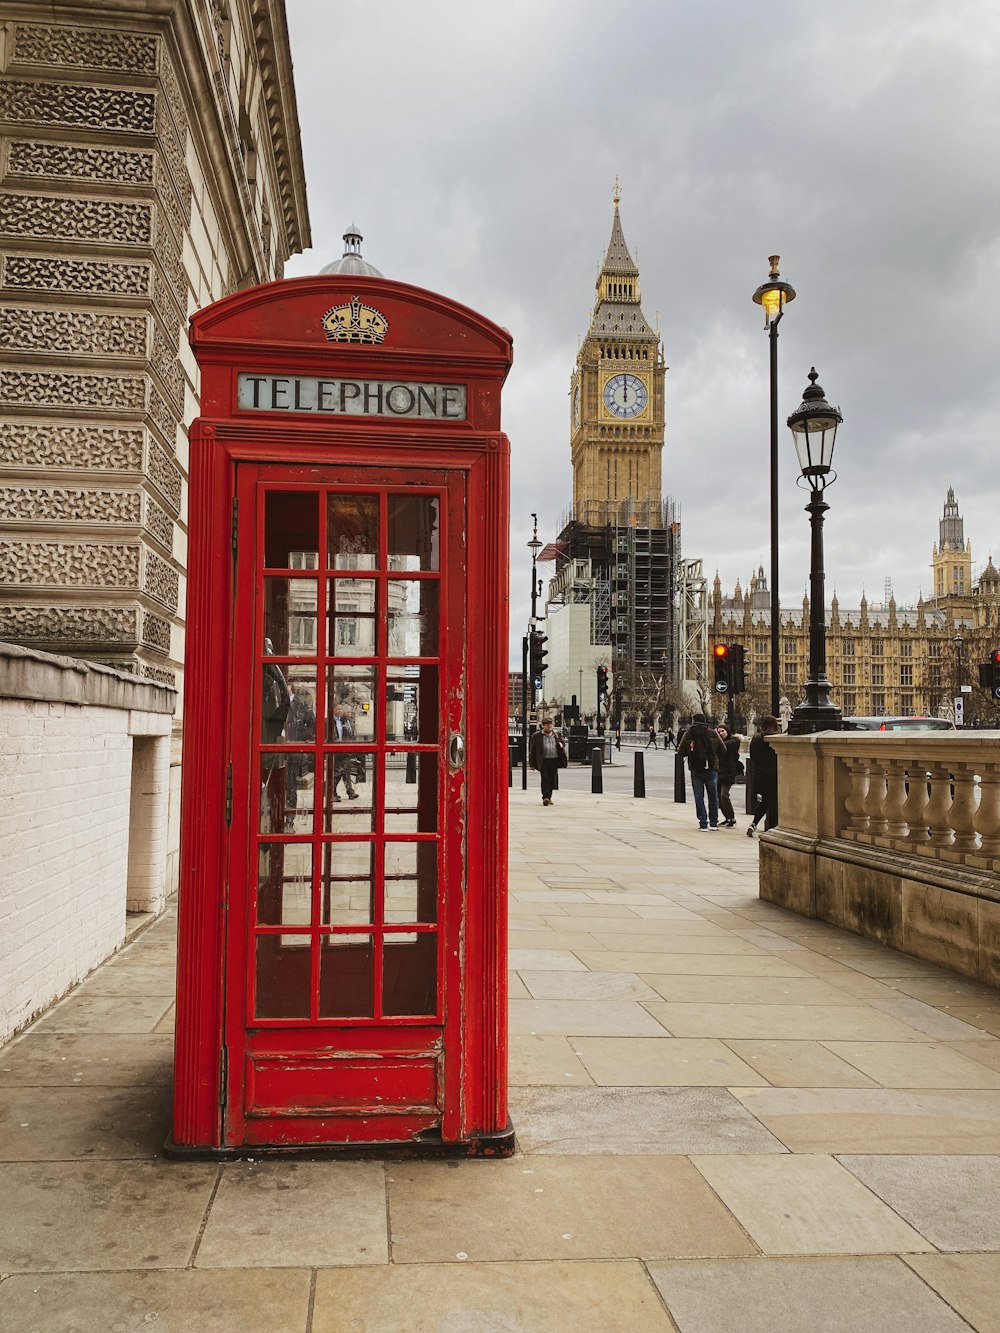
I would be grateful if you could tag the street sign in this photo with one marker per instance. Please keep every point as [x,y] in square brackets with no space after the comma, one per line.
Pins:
[959,711]
[965,689]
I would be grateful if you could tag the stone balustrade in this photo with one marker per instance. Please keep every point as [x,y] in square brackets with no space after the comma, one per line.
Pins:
[895,835]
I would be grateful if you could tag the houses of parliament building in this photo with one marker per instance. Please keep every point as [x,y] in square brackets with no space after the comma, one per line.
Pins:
[882,660]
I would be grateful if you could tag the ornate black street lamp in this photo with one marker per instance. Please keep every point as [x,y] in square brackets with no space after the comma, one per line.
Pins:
[814,430]
[534,546]
[774,295]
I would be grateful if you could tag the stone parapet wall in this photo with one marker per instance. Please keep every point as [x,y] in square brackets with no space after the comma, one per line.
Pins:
[895,836]
[84,775]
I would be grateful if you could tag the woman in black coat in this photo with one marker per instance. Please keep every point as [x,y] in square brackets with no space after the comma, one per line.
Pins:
[765,775]
[729,770]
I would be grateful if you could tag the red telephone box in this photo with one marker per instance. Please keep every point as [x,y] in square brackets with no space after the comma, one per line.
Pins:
[342,923]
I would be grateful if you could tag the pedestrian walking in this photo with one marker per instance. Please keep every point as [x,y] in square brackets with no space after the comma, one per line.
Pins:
[652,739]
[703,751]
[547,755]
[669,741]
[730,768]
[764,760]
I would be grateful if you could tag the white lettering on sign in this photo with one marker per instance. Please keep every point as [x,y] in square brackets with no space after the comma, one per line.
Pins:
[350,398]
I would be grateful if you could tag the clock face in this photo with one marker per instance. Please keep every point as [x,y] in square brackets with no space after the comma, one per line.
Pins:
[625,396]
[576,406]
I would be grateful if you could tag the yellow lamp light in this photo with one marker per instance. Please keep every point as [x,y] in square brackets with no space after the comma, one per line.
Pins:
[774,294]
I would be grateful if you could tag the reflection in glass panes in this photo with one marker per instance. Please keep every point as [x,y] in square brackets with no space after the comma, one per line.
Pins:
[286,792]
[350,704]
[411,704]
[352,531]
[413,532]
[275,700]
[283,976]
[289,704]
[291,529]
[410,792]
[290,617]
[411,883]
[409,974]
[347,860]
[347,976]
[348,792]
[352,617]
[348,902]
[413,617]
[284,883]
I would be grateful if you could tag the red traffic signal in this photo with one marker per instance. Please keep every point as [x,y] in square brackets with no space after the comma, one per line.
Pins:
[721,658]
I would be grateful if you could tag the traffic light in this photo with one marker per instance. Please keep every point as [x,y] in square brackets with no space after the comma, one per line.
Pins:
[602,681]
[737,670]
[537,654]
[720,655]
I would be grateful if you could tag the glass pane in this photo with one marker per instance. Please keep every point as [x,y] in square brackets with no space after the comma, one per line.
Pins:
[411,881]
[352,617]
[348,792]
[286,792]
[348,902]
[288,710]
[345,860]
[290,617]
[284,884]
[409,974]
[350,705]
[291,529]
[283,976]
[347,977]
[413,617]
[352,531]
[413,532]
[411,704]
[410,792]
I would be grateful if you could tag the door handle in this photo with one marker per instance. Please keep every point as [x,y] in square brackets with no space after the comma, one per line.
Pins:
[456,750]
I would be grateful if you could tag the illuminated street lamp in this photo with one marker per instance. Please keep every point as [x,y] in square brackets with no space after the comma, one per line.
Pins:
[774,295]
[814,429]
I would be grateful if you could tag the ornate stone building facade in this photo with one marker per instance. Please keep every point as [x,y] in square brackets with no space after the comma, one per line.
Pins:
[149,164]
[883,660]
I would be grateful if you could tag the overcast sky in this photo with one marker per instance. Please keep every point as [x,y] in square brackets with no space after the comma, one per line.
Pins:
[476,146]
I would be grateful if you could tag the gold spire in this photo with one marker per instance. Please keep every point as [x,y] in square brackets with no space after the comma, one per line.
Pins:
[618,192]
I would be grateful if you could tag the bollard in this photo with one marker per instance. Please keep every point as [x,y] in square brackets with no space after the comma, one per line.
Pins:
[411,766]
[639,780]
[596,772]
[680,786]
[510,766]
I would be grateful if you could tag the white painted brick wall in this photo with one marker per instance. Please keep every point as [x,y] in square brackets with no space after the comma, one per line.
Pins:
[65,786]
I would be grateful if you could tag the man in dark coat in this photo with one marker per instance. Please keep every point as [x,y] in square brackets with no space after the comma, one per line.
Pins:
[703,751]
[547,754]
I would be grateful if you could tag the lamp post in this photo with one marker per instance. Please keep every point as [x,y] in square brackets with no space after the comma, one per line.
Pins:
[814,429]
[534,546]
[774,295]
[959,643]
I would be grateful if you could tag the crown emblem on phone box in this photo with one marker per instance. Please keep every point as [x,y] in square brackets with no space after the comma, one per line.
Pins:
[355,323]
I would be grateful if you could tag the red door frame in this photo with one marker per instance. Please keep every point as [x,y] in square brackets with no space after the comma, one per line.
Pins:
[273,328]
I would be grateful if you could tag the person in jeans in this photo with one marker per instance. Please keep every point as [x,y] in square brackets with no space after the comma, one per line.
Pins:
[729,770]
[764,760]
[547,754]
[652,739]
[703,750]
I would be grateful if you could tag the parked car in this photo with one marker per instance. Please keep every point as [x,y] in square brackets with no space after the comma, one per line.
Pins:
[898,724]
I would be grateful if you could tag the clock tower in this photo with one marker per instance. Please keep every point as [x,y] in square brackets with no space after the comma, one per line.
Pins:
[616,401]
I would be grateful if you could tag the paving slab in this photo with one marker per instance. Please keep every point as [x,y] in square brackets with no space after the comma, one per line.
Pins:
[89,1060]
[130,978]
[806,1205]
[62,1124]
[545,960]
[817,1022]
[913,1065]
[800,1064]
[104,1013]
[953,1201]
[969,1282]
[749,990]
[557,1208]
[275,1214]
[68,1216]
[249,1301]
[687,964]
[540,1297]
[629,1121]
[986,1050]
[536,1060]
[585,1018]
[725,942]
[644,1062]
[830,1295]
[858,1120]
[568,985]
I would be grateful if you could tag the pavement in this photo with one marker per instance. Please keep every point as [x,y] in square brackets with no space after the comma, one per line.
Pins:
[730,1119]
